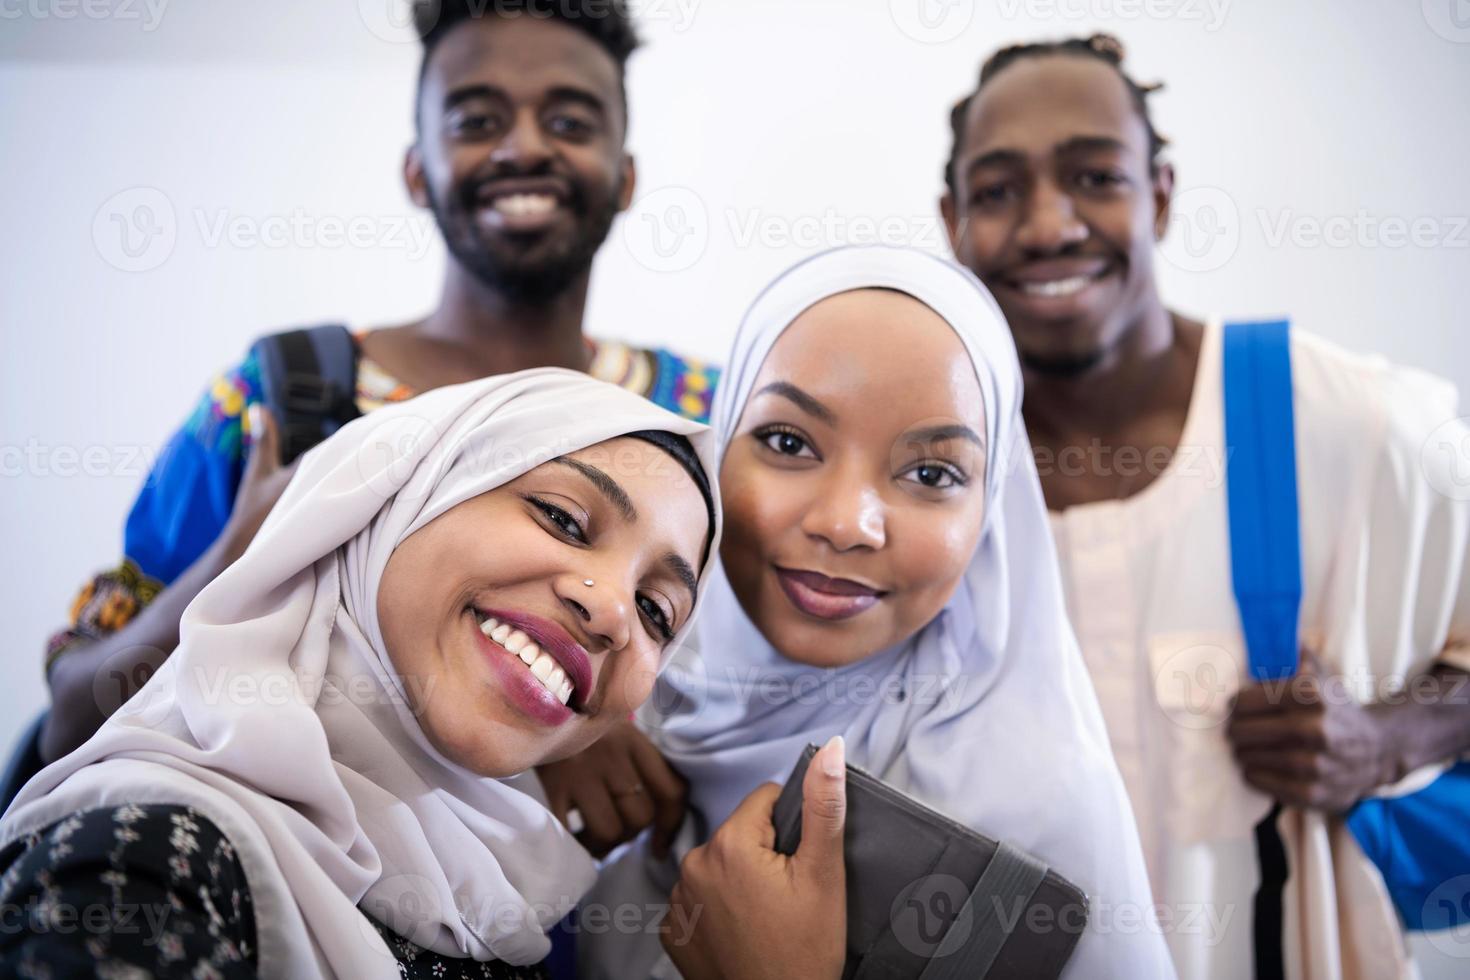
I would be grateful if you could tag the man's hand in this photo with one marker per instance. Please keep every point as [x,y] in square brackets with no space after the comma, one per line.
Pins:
[741,911]
[1307,743]
[261,485]
[620,785]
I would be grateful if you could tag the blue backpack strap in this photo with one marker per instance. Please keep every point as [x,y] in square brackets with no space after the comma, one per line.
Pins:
[1265,561]
[1265,539]
[1418,842]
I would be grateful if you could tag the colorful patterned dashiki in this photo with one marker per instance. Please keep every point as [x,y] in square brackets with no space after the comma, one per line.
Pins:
[187,497]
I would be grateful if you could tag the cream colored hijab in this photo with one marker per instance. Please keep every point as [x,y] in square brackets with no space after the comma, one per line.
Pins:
[280,716]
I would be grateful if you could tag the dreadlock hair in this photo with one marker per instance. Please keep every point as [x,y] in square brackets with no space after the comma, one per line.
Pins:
[1101,47]
[605,21]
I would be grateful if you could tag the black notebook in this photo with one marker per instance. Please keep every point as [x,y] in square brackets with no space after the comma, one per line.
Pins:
[930,899]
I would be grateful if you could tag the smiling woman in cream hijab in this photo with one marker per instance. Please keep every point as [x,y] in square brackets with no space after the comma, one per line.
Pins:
[319,782]
[887,575]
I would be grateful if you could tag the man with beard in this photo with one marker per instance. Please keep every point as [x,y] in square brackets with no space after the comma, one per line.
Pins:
[1055,196]
[521,116]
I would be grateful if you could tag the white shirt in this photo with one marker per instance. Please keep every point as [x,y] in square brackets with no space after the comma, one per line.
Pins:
[1383,483]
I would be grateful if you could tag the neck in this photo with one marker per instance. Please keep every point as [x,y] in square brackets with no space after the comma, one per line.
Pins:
[511,334]
[1111,395]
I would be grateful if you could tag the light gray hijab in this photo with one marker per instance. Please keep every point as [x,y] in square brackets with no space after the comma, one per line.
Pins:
[986,714]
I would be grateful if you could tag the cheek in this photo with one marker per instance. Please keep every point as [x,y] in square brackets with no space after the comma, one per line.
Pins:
[631,683]
[598,166]
[931,559]
[762,508]
[986,236]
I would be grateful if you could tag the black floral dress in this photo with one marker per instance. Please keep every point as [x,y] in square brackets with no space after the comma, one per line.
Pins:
[133,892]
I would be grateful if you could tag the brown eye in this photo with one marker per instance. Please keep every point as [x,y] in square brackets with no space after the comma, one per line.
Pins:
[657,617]
[563,521]
[785,442]
[935,476]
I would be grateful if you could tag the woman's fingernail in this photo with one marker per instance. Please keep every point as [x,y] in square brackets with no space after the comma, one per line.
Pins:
[834,756]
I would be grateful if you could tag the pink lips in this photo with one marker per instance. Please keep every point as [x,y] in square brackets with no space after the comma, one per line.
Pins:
[826,598]
[524,690]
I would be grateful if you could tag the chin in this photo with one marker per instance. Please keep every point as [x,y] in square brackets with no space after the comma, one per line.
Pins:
[482,746]
[805,641]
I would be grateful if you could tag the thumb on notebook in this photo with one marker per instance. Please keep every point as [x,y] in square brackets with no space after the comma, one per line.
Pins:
[824,813]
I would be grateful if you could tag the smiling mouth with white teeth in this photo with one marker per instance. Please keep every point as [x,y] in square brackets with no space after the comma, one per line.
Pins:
[524,205]
[541,664]
[1055,288]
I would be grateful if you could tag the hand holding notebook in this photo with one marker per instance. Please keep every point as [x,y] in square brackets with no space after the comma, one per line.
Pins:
[931,899]
[741,911]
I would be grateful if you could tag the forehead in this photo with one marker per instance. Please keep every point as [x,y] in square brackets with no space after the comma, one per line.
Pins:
[878,348]
[522,56]
[671,509]
[1038,103]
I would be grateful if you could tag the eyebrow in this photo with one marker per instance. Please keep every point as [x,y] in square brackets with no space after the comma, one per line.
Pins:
[467,92]
[561,93]
[606,486]
[685,574]
[1013,158]
[800,399]
[954,431]
[568,93]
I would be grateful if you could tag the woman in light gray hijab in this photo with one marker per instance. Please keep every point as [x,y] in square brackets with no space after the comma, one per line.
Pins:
[888,575]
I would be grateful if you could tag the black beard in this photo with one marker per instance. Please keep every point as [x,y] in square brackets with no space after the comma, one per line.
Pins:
[518,280]
[1070,366]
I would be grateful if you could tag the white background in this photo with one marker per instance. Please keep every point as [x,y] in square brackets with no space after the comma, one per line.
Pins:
[1309,137]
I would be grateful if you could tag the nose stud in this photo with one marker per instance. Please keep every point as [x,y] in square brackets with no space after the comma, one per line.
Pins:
[588,582]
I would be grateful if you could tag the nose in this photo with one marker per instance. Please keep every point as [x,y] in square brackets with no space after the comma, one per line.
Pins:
[1050,222]
[848,513]
[604,608]
[524,146]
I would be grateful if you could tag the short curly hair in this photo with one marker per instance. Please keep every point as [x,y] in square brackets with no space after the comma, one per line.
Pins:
[1102,47]
[607,22]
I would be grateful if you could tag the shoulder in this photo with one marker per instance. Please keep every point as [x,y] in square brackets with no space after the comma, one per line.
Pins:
[1365,400]
[218,420]
[1367,426]
[684,385]
[157,888]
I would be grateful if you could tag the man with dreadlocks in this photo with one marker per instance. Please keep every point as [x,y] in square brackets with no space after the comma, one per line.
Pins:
[1055,195]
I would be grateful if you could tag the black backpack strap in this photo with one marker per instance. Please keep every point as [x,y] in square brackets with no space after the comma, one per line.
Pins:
[309,382]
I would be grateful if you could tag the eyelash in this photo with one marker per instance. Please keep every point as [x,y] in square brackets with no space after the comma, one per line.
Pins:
[557,515]
[660,621]
[764,435]
[948,469]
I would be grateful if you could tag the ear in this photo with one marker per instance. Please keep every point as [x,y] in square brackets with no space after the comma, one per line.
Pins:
[950,211]
[630,182]
[1163,187]
[413,176]
[953,224]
